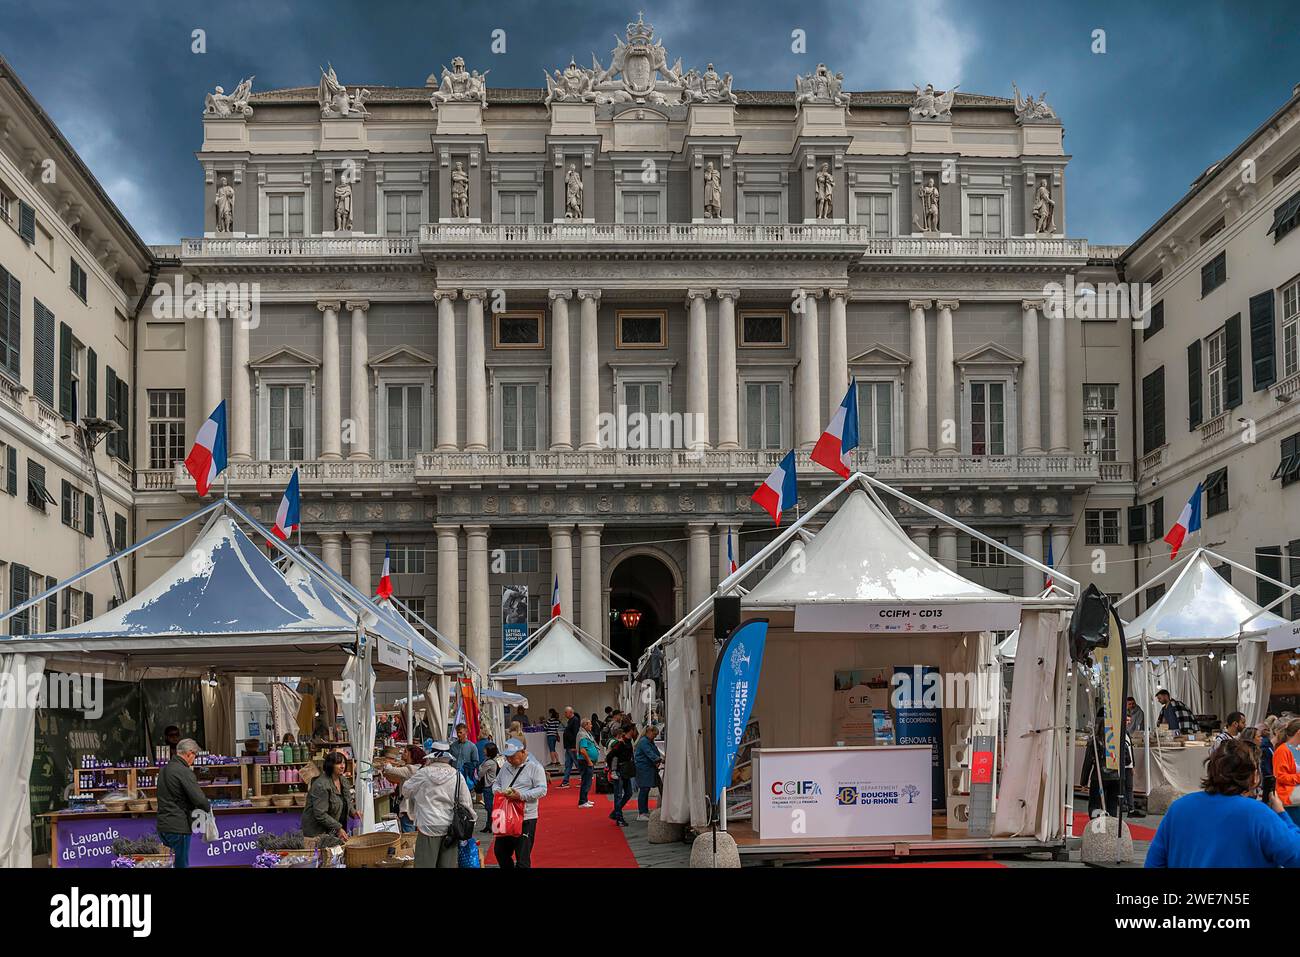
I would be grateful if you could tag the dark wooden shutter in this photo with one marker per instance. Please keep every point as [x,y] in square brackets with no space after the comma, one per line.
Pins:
[67,402]
[87,606]
[1268,561]
[68,502]
[1232,362]
[110,408]
[11,327]
[1157,321]
[92,383]
[1137,524]
[11,472]
[1194,384]
[1157,520]
[119,532]
[1293,577]
[51,604]
[26,222]
[43,368]
[90,516]
[1153,410]
[124,419]
[19,582]
[1263,342]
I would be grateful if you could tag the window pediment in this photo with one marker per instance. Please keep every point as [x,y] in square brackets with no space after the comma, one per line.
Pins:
[882,357]
[402,358]
[286,358]
[989,356]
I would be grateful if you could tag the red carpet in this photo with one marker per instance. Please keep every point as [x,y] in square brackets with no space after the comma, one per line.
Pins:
[569,836]
[1139,832]
[931,864]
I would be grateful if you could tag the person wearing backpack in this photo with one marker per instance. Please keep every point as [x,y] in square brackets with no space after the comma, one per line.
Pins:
[440,799]
[588,754]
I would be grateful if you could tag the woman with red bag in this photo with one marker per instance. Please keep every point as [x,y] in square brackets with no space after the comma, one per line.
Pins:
[519,786]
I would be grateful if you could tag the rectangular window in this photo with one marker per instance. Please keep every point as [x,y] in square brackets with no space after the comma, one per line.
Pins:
[1156,322]
[641,207]
[763,415]
[1137,525]
[284,215]
[27,223]
[1214,274]
[1216,361]
[1290,328]
[1293,578]
[876,416]
[77,279]
[1101,420]
[71,506]
[117,408]
[519,560]
[1153,411]
[1216,492]
[1101,526]
[10,323]
[72,364]
[1268,561]
[872,213]
[644,401]
[38,496]
[642,330]
[405,420]
[517,330]
[1213,230]
[166,428]
[8,463]
[517,206]
[1285,217]
[519,417]
[984,216]
[402,213]
[407,559]
[287,422]
[762,330]
[1155,593]
[984,555]
[413,612]
[988,418]
[119,532]
[760,208]
[1157,510]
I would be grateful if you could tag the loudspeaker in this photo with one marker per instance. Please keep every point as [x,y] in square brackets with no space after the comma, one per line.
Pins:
[726,616]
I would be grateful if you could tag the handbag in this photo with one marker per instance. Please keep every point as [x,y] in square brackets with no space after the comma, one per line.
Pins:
[461,827]
[467,856]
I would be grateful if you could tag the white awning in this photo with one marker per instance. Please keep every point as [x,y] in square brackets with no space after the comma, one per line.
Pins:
[558,653]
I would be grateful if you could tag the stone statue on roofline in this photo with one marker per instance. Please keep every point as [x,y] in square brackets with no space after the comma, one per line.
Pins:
[820,86]
[931,104]
[461,86]
[1028,110]
[221,103]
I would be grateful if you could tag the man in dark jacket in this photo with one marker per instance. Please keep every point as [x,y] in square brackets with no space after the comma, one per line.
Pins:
[179,797]
[569,738]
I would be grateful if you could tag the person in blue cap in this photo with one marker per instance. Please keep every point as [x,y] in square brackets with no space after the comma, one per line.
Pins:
[524,781]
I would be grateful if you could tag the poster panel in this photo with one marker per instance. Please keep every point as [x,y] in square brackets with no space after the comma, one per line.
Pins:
[514,617]
[919,720]
[859,694]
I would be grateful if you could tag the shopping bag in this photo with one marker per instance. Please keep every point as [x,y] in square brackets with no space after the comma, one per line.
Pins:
[210,832]
[468,854]
[508,818]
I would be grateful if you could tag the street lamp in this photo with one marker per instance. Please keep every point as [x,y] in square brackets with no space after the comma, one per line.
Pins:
[631,617]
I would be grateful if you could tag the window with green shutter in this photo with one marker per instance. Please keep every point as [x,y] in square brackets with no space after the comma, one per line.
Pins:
[1214,274]
[43,360]
[67,400]
[1137,524]
[110,408]
[69,503]
[27,223]
[1153,410]
[88,526]
[1193,384]
[92,383]
[1232,362]
[19,592]
[1268,561]
[51,603]
[10,323]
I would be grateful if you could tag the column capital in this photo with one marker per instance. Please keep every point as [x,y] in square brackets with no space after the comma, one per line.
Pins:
[445,530]
[697,294]
[801,293]
[468,294]
[1029,304]
[922,304]
[562,527]
[838,294]
[947,531]
[555,294]
[330,536]
[357,305]
[328,305]
[477,531]
[732,294]
[949,304]
[591,528]
[593,294]
[440,294]
[1035,528]
[360,535]
[698,528]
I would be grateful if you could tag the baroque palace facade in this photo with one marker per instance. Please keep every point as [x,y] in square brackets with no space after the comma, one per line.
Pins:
[465,295]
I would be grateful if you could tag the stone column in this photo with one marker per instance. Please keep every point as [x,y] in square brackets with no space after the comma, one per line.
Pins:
[476,394]
[809,391]
[918,385]
[920,536]
[697,368]
[1033,547]
[1057,427]
[1031,422]
[331,550]
[561,383]
[331,388]
[447,381]
[837,348]
[948,546]
[211,363]
[562,567]
[448,622]
[698,578]
[728,396]
[241,428]
[360,387]
[945,380]
[478,635]
[590,616]
[588,371]
[360,577]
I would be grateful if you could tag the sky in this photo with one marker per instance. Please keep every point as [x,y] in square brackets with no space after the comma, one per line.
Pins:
[1178,86]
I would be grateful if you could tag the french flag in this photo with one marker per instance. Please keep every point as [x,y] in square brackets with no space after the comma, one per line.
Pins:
[207,459]
[555,597]
[385,589]
[286,516]
[841,436]
[1189,520]
[779,490]
[731,556]
[1050,563]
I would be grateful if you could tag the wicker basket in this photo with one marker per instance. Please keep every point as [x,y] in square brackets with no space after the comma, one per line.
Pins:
[368,849]
[299,799]
[282,800]
[138,805]
[260,801]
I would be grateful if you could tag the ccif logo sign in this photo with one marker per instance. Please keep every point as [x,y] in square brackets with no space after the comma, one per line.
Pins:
[796,788]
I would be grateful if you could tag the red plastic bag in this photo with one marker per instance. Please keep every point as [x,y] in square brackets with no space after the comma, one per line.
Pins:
[508,818]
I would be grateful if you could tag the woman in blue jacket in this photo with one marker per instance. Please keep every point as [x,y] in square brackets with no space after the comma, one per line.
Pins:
[648,759]
[1222,825]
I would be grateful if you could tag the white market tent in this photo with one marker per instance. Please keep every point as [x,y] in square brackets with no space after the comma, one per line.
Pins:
[222,610]
[843,599]
[559,665]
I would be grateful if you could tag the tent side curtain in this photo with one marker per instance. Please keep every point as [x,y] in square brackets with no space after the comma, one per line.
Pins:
[17,747]
[684,780]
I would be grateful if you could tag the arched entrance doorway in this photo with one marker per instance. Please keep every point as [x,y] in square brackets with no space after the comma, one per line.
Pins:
[642,583]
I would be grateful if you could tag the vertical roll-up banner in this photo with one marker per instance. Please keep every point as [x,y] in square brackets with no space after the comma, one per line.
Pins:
[735,680]
[1114,676]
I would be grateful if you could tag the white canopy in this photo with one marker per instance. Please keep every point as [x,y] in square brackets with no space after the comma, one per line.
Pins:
[891,586]
[559,653]
[1200,610]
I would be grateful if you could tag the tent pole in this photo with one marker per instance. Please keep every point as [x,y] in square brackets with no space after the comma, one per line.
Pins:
[1146,671]
[1155,578]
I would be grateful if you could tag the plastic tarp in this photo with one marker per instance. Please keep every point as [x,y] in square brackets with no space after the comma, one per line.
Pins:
[17,745]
